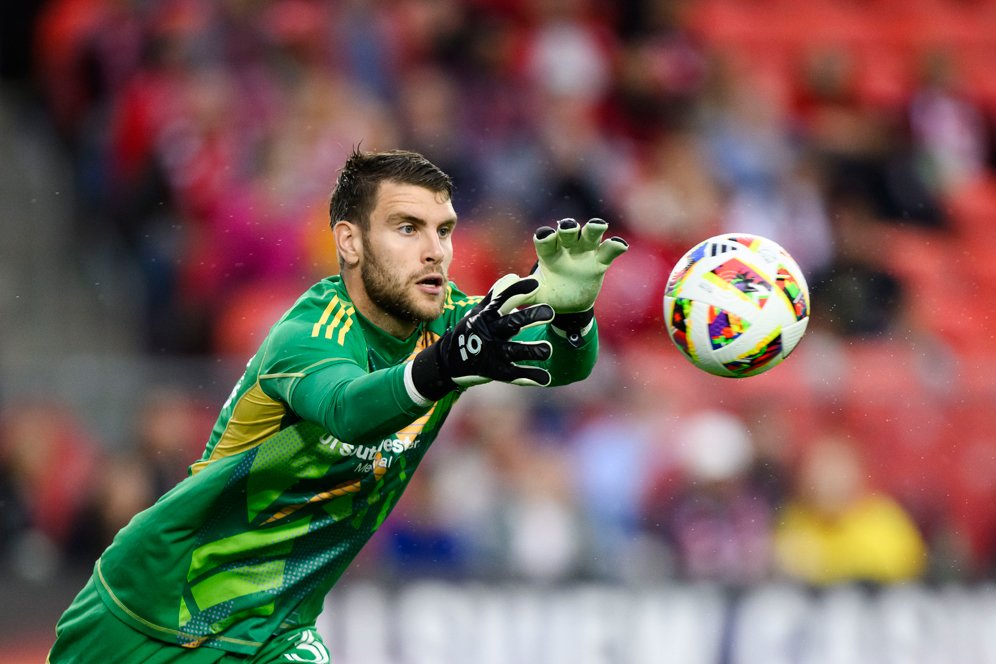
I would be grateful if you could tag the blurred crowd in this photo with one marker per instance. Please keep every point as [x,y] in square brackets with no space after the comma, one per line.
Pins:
[205,138]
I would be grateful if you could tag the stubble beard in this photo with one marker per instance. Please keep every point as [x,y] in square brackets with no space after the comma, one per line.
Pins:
[391,293]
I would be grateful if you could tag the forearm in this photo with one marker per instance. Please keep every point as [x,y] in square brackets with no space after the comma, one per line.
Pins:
[355,406]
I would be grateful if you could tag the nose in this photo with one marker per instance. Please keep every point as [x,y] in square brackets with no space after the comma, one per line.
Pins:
[433,251]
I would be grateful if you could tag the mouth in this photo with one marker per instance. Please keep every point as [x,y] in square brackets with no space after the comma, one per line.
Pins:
[431,283]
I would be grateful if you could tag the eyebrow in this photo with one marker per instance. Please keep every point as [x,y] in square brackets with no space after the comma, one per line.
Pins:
[397,217]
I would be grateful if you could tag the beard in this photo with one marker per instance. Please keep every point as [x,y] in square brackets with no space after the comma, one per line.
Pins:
[393,294]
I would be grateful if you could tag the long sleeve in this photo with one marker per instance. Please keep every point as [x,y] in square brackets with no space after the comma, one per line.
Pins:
[354,405]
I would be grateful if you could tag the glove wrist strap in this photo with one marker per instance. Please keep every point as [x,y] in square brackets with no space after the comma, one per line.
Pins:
[427,376]
[574,326]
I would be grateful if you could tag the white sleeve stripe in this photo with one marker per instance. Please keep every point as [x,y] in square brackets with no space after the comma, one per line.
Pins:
[413,394]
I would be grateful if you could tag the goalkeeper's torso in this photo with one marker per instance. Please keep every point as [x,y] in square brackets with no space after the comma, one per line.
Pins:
[250,543]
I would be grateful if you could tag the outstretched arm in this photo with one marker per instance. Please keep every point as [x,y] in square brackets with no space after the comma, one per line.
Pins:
[356,405]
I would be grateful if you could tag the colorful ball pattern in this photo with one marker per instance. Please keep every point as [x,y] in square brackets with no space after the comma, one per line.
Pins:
[736,305]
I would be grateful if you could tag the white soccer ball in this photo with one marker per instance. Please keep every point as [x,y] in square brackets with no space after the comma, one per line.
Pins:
[736,305]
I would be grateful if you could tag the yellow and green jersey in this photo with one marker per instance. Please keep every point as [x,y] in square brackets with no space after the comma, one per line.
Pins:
[309,455]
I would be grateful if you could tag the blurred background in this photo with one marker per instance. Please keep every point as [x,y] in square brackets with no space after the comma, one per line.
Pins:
[166,167]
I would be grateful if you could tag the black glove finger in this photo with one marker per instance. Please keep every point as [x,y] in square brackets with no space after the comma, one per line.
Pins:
[480,306]
[521,374]
[526,375]
[521,287]
[520,351]
[510,324]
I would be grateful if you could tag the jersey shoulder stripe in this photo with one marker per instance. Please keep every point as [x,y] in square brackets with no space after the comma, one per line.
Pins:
[336,321]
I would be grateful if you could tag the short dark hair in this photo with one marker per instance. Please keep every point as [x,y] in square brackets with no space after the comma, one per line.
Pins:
[355,191]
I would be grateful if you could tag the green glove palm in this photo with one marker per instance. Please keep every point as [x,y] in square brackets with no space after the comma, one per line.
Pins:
[572,264]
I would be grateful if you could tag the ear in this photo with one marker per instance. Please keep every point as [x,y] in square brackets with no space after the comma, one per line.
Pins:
[348,242]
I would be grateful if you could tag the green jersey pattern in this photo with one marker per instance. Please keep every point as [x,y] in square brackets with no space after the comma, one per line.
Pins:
[293,481]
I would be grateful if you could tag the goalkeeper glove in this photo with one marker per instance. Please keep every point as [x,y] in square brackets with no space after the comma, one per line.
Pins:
[572,264]
[479,349]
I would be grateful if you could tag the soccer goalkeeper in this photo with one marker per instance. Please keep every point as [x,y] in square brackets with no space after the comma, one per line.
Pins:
[322,433]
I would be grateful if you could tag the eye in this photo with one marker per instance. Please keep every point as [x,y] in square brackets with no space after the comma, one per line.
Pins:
[406,229]
[445,231]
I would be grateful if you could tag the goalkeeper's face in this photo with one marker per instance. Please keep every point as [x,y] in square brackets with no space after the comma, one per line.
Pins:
[407,251]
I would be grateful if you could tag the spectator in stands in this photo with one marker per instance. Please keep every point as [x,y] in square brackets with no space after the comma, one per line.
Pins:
[717,524]
[671,199]
[617,456]
[948,131]
[122,489]
[837,529]
[859,295]
[46,463]
[860,147]
[169,430]
[534,525]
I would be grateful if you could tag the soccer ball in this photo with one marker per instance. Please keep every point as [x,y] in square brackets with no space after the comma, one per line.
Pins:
[736,305]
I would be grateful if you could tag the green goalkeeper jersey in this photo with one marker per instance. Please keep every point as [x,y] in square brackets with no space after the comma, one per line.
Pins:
[309,455]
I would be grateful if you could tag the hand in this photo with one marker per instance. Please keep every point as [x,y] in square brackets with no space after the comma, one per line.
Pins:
[572,264]
[479,349]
